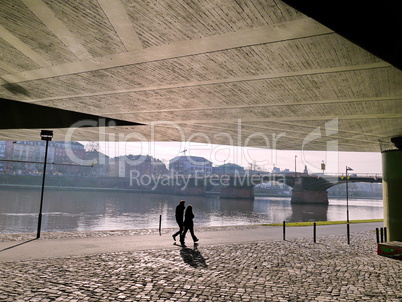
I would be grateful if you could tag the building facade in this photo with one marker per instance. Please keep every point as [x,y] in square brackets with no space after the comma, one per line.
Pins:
[229,169]
[190,165]
[27,157]
[137,165]
[2,155]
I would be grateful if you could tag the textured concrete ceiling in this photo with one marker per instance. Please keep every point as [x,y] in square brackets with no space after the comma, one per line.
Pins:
[225,72]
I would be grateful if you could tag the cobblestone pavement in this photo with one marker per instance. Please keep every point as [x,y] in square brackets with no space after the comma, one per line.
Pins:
[293,270]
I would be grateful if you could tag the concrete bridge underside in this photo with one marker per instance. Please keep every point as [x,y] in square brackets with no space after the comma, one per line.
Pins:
[232,67]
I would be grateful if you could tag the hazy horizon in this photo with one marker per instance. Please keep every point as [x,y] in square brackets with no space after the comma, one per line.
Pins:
[265,159]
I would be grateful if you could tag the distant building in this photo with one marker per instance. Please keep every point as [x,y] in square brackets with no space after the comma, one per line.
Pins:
[62,156]
[276,170]
[33,153]
[190,165]
[228,169]
[2,155]
[139,164]
[100,163]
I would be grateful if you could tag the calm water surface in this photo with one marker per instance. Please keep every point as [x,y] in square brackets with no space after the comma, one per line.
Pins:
[89,211]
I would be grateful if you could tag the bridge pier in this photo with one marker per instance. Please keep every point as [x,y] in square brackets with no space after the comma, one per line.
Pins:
[307,196]
[392,180]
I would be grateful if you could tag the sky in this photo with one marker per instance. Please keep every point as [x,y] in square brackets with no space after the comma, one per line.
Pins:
[264,159]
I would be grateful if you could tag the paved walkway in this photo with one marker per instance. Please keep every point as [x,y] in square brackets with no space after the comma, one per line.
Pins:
[120,242]
[229,264]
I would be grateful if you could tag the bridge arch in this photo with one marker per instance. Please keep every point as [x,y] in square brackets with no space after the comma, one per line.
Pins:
[305,188]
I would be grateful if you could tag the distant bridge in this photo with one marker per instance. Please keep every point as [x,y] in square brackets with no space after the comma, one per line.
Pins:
[305,188]
[313,188]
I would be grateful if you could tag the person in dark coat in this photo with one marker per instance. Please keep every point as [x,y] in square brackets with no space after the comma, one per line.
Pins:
[188,225]
[179,218]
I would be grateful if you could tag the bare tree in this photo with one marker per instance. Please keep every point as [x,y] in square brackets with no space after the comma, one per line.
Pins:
[92,146]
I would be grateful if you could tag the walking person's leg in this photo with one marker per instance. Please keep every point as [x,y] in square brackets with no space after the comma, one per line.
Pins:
[179,231]
[183,234]
[195,239]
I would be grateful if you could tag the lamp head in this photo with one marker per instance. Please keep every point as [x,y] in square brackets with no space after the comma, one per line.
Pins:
[397,141]
[46,135]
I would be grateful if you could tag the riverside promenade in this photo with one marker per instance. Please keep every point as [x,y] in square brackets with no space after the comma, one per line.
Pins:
[242,263]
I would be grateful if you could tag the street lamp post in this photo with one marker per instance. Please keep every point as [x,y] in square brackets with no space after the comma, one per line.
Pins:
[295,164]
[323,167]
[46,135]
[347,203]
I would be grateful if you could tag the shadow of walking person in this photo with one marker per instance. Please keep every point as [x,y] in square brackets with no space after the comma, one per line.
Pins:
[193,256]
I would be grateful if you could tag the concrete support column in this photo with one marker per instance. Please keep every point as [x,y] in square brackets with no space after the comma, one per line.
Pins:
[306,196]
[392,193]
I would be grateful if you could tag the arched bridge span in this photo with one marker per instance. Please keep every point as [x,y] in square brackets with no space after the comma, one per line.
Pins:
[305,188]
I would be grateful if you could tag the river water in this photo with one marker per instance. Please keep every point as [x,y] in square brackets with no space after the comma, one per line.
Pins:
[65,210]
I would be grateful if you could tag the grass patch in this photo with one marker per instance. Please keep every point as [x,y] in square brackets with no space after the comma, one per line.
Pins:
[323,222]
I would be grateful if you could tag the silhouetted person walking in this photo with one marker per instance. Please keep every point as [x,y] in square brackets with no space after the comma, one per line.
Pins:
[188,225]
[179,218]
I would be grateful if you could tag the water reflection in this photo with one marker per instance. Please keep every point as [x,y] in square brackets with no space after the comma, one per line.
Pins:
[87,210]
[308,212]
